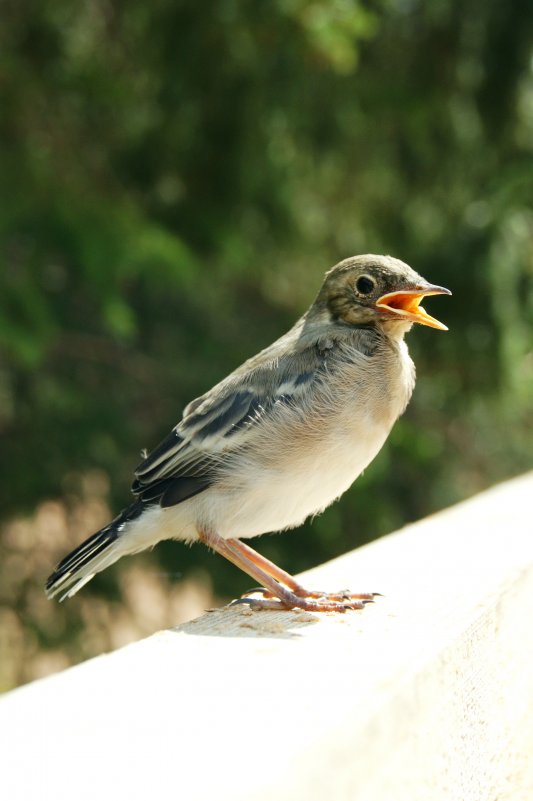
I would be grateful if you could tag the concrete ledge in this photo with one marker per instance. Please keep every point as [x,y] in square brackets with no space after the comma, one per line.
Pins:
[425,695]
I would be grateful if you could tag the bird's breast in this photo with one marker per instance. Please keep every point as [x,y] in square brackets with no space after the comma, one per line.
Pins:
[307,456]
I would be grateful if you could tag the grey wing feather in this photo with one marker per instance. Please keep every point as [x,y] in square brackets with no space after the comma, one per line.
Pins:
[218,423]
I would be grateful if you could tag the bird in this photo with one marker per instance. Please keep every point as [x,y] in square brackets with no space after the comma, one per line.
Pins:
[279,439]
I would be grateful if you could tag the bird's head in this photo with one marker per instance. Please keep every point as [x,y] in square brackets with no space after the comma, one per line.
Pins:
[366,290]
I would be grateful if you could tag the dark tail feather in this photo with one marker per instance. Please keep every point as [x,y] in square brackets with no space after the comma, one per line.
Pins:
[96,553]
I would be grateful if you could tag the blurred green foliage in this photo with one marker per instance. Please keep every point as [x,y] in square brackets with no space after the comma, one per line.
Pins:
[177,176]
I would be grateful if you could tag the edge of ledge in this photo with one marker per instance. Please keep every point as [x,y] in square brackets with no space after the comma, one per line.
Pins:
[363,705]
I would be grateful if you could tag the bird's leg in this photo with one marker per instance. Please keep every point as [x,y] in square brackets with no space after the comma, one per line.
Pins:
[267,566]
[285,578]
[289,581]
[240,555]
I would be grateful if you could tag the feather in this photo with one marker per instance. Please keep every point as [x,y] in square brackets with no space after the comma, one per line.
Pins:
[216,426]
[97,552]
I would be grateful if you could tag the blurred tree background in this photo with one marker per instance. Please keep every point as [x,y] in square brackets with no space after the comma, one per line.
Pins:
[175,179]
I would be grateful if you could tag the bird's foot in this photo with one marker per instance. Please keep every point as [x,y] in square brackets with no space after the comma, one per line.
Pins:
[341,596]
[308,601]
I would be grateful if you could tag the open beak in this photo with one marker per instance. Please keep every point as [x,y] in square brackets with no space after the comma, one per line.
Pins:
[406,304]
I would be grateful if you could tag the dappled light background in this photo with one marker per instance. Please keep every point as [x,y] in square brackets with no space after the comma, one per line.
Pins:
[176,178]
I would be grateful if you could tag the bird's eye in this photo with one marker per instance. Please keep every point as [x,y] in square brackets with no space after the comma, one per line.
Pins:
[365,285]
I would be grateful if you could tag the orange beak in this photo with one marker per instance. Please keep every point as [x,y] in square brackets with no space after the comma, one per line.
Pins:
[406,304]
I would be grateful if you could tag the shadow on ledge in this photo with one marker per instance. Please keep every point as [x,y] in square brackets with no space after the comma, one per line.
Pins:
[241,621]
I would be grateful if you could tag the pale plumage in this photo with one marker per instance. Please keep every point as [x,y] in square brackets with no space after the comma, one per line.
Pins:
[281,437]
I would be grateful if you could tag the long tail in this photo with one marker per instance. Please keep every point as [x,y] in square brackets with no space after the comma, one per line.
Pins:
[95,554]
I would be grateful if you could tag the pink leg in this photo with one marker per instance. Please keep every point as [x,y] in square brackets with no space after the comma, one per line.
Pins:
[279,584]
[286,578]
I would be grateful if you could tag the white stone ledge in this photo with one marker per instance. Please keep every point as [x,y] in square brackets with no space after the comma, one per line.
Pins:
[424,696]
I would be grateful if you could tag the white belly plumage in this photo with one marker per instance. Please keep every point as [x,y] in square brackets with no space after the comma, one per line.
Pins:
[267,499]
[293,473]
[276,498]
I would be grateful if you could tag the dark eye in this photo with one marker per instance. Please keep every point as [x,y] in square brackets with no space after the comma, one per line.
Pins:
[365,285]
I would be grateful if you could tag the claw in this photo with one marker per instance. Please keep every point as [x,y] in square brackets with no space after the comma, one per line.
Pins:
[258,603]
[253,590]
[242,600]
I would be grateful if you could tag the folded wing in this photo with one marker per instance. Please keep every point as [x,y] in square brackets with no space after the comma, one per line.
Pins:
[216,425]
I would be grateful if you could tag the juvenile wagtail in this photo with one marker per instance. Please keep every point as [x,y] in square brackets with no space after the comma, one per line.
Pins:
[280,438]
